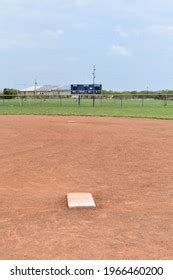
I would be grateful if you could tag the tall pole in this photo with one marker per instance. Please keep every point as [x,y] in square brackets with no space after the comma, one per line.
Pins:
[35,86]
[94,77]
[94,74]
[147,89]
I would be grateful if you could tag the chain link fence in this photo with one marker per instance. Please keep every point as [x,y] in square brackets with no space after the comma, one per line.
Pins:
[116,100]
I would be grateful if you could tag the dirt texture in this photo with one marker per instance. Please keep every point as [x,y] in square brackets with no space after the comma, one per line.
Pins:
[127,164]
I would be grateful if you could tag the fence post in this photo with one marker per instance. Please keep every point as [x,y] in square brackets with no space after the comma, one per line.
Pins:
[93,101]
[121,101]
[40,100]
[79,99]
[165,101]
[18,98]
[142,101]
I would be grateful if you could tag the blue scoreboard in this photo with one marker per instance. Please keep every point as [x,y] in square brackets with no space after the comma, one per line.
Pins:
[86,88]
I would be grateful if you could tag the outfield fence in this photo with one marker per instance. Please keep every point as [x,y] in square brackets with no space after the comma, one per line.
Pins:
[91,100]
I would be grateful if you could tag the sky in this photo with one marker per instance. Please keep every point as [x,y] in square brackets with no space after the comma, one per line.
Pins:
[58,42]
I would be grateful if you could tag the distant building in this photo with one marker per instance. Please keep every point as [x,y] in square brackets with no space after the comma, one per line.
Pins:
[47,89]
[86,89]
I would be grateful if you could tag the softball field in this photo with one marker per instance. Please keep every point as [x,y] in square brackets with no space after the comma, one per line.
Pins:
[127,165]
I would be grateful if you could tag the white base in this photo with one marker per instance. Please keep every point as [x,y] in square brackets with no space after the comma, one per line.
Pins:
[80,200]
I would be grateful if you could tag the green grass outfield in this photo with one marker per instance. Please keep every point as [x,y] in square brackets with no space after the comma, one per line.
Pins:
[106,107]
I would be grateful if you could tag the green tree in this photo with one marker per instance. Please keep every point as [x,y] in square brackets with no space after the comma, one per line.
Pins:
[10,93]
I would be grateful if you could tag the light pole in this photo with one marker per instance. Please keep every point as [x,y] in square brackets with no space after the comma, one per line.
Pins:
[35,86]
[94,74]
[94,77]
[147,89]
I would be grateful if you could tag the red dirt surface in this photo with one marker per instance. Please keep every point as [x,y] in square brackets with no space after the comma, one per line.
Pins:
[127,164]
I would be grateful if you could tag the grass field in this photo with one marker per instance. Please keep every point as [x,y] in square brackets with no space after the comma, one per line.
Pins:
[105,107]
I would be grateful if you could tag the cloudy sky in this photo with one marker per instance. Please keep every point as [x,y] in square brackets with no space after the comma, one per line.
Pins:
[58,41]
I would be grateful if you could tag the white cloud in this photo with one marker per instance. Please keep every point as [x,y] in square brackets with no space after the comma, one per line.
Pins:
[53,34]
[161,29]
[121,32]
[127,33]
[155,29]
[15,40]
[136,32]
[117,50]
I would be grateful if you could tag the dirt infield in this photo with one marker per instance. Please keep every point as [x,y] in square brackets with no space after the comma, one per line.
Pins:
[127,164]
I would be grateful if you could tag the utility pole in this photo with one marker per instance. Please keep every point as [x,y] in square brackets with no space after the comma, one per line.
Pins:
[94,74]
[94,77]
[35,89]
[147,89]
